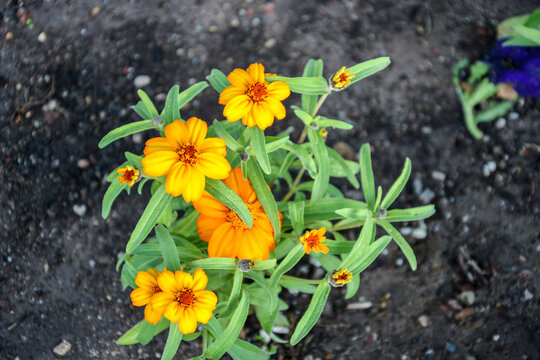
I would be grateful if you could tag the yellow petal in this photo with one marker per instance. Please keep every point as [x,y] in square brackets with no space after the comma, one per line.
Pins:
[263,115]
[167,282]
[323,248]
[173,312]
[321,231]
[203,315]
[213,145]
[187,323]
[177,133]
[279,90]
[200,280]
[207,205]
[183,279]
[257,72]
[151,315]
[140,297]
[145,280]
[230,92]
[249,119]
[176,180]
[159,163]
[213,166]
[162,300]
[197,130]
[206,299]
[158,144]
[195,182]
[277,108]
[240,78]
[237,107]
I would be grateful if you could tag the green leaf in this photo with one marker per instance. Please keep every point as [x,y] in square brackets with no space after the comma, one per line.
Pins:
[259,147]
[292,258]
[224,341]
[371,253]
[185,253]
[483,91]
[126,130]
[468,114]
[171,111]
[328,262]
[364,239]
[528,33]
[345,167]
[337,124]
[360,214]
[242,350]
[218,80]
[276,144]
[321,156]
[316,85]
[168,249]
[297,284]
[146,333]
[230,199]
[157,204]
[368,68]
[400,241]
[325,209]
[353,286]
[141,110]
[267,311]
[366,176]
[339,246]
[110,195]
[130,336]
[313,68]
[264,195]
[187,225]
[411,214]
[229,140]
[495,111]
[134,160]
[312,313]
[519,41]
[147,103]
[213,264]
[306,118]
[189,94]
[304,157]
[296,214]
[173,342]
[397,186]
[264,264]
[234,297]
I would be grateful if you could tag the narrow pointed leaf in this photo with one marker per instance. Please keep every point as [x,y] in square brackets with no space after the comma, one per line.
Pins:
[368,68]
[234,297]
[411,214]
[229,140]
[357,252]
[397,186]
[313,68]
[371,253]
[126,130]
[189,94]
[296,214]
[353,286]
[292,258]
[168,249]
[342,163]
[171,111]
[312,314]
[400,241]
[366,176]
[276,144]
[323,169]
[148,103]
[229,198]
[218,80]
[173,342]
[316,85]
[304,157]
[325,122]
[259,147]
[110,195]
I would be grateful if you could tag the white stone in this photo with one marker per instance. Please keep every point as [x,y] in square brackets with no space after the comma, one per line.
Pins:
[142,81]
[62,349]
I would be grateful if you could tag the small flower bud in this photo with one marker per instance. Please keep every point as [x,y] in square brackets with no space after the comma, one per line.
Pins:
[244,156]
[340,278]
[341,79]
[381,213]
[324,133]
[245,265]
[157,120]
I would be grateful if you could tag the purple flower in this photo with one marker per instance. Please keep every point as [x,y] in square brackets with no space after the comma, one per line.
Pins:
[518,66]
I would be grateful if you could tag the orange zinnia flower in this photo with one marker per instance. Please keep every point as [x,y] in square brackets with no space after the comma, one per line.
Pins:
[128,175]
[342,79]
[251,98]
[142,296]
[312,241]
[227,235]
[184,299]
[186,157]
[340,277]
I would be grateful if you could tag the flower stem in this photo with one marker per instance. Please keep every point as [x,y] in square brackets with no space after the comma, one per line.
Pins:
[319,103]
[294,185]
[204,340]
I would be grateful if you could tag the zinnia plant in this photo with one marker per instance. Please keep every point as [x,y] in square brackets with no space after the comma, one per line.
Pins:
[233,210]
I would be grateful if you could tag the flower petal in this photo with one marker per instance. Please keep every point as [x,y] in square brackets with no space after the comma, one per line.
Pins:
[158,144]
[257,72]
[237,107]
[195,182]
[206,226]
[145,280]
[162,300]
[208,206]
[277,108]
[222,242]
[263,114]
[183,279]
[249,119]
[240,78]
[177,133]
[187,323]
[213,145]
[279,90]
[200,280]
[173,312]
[140,296]
[151,315]
[176,180]
[202,315]
[167,282]
[230,92]
[197,130]
[213,166]
[159,163]
[206,299]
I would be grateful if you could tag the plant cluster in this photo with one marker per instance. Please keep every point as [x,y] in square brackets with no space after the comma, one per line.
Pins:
[234,210]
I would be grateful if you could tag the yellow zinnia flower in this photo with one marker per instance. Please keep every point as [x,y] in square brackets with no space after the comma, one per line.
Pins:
[227,235]
[128,175]
[142,296]
[186,157]
[312,241]
[340,277]
[184,299]
[251,98]
[342,79]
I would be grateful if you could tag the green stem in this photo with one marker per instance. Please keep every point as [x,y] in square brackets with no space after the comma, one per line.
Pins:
[292,190]
[302,280]
[204,340]
[469,116]
[318,105]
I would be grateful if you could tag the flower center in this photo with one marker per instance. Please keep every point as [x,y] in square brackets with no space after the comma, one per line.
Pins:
[235,220]
[184,298]
[188,154]
[343,77]
[257,92]
[343,276]
[128,175]
[312,241]
[156,289]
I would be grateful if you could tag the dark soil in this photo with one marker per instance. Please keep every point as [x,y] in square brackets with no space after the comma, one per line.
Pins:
[57,263]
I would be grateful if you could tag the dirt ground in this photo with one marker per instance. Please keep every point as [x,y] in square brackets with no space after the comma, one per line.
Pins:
[68,79]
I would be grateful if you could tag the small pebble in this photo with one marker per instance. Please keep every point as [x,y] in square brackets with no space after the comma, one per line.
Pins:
[213,29]
[92,263]
[137,138]
[280,329]
[450,347]
[95,10]
[466,298]
[399,262]
[42,37]
[426,196]
[419,233]
[424,321]
[527,295]
[142,81]
[513,116]
[406,231]
[270,43]
[62,349]
[438,175]
[235,22]
[417,186]
[9,35]
[79,209]
[83,163]
[500,123]
[362,305]
[489,168]
[522,259]
[496,337]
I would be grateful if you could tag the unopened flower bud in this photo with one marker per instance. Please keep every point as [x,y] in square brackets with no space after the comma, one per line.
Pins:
[245,265]
[381,213]
[340,278]
[157,120]
[244,156]
[341,79]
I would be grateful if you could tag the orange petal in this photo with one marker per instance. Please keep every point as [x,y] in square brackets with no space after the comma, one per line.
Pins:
[158,144]
[195,182]
[151,315]
[213,165]
[187,322]
[277,108]
[200,280]
[145,280]
[230,92]
[221,243]
[263,114]
[279,90]
[160,301]
[176,180]
[237,107]
[209,206]
[197,130]
[240,78]
[206,226]
[159,163]
[257,72]
[140,296]
[323,248]
[213,145]
[183,279]
[177,133]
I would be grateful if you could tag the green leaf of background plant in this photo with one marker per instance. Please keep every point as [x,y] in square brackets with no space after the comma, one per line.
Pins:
[528,33]
[168,249]
[190,93]
[171,111]
[229,140]
[400,241]
[366,175]
[304,157]
[337,124]
[316,85]
[368,68]
[229,198]
[321,155]
[126,130]
[264,264]
[259,147]
[371,253]
[110,195]
[146,332]
[313,68]
[234,297]
[276,144]
[213,264]
[141,110]
[353,286]
[344,165]
[364,239]
[147,103]
[173,342]
[134,160]
[312,314]
[495,111]
[157,204]
[218,80]
[187,225]
[292,258]
[264,195]
[360,214]
[397,186]
[296,214]
[410,214]
[296,284]
[306,118]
